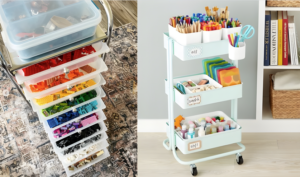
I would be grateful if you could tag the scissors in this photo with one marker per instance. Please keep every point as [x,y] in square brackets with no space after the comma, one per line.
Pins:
[246,34]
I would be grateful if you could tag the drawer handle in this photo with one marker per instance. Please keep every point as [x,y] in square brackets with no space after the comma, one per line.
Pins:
[66,70]
[69,87]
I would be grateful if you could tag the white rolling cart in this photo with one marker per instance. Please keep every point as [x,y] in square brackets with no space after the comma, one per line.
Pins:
[35,50]
[192,100]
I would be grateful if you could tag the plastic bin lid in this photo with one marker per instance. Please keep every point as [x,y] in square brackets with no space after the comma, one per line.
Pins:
[29,23]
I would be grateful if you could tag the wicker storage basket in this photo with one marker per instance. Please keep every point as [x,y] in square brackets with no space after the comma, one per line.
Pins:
[284,104]
[283,3]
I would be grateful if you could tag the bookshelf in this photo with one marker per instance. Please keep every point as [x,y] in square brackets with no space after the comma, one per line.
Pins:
[263,111]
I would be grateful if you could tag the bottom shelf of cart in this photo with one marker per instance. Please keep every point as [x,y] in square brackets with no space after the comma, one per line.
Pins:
[188,146]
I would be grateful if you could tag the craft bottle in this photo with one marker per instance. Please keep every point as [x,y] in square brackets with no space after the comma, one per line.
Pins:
[232,126]
[207,129]
[201,132]
[183,132]
[191,133]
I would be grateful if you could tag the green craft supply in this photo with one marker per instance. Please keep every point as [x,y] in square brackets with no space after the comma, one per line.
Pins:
[218,118]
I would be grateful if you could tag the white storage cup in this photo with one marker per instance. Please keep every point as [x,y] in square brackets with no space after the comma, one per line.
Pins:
[237,53]
[211,36]
[226,31]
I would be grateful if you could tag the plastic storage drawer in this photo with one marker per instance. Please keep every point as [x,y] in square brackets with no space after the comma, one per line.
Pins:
[99,80]
[96,87]
[50,131]
[44,85]
[100,105]
[57,148]
[73,64]
[33,31]
[83,153]
[191,100]
[100,158]
[188,146]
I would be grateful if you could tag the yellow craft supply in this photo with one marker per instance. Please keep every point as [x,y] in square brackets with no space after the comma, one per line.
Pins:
[232,40]
[45,100]
[221,118]
[201,119]
[90,82]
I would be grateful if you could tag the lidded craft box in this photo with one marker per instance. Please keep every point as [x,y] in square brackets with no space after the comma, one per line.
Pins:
[35,27]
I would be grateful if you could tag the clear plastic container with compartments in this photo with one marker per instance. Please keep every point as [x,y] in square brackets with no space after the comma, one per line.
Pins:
[37,27]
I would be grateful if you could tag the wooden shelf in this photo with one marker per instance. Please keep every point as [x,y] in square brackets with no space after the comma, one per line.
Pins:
[282,8]
[283,67]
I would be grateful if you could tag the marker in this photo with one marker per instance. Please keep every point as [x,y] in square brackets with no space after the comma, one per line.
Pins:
[229,38]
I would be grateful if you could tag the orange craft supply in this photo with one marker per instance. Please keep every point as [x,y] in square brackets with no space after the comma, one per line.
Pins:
[177,121]
[230,77]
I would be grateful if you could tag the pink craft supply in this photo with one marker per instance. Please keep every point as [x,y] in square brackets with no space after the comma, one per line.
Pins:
[55,136]
[64,134]
[228,122]
[88,121]
[220,129]
[191,122]
[214,119]
[208,119]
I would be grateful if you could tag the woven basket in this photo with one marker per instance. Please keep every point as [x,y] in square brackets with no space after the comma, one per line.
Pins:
[283,3]
[284,104]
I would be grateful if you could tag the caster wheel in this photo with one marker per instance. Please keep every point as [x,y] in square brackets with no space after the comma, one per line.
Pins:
[193,169]
[239,160]
[176,148]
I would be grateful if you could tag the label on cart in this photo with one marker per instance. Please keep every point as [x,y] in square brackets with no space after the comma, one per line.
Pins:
[195,51]
[194,100]
[194,145]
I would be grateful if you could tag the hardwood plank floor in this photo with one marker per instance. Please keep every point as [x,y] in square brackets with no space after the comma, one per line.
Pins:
[123,12]
[266,155]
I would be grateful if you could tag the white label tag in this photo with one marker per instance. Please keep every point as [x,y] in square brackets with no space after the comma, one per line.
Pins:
[194,100]
[194,145]
[195,51]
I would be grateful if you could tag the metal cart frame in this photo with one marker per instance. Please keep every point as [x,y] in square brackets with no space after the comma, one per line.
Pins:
[171,100]
[10,67]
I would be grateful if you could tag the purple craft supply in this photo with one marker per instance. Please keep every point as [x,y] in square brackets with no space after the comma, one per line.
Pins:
[75,123]
[63,128]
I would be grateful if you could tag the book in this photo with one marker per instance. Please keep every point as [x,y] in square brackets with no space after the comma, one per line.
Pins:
[279,34]
[292,41]
[285,39]
[267,38]
[274,38]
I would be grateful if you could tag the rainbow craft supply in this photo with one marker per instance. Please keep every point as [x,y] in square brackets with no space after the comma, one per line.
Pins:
[221,71]
[63,118]
[66,129]
[207,125]
[68,104]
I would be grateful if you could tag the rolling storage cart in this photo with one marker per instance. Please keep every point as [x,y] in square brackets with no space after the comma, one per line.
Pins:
[89,144]
[192,100]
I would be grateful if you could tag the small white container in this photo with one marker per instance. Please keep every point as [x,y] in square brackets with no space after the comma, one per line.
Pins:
[172,31]
[226,31]
[185,39]
[237,53]
[212,36]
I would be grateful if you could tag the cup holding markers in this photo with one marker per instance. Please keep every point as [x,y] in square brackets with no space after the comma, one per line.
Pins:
[236,49]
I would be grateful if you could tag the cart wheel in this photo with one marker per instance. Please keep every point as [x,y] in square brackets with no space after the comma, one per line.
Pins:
[193,169]
[239,159]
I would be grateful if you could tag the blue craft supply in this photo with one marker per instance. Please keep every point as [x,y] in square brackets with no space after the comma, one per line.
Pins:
[56,122]
[226,127]
[89,108]
[51,123]
[193,14]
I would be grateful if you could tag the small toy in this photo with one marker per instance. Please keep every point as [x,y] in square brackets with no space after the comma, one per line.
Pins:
[177,121]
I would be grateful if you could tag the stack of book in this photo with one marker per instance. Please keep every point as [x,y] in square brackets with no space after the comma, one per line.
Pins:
[281,43]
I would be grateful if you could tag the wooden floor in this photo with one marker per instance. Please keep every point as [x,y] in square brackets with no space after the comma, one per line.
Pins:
[123,12]
[266,155]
